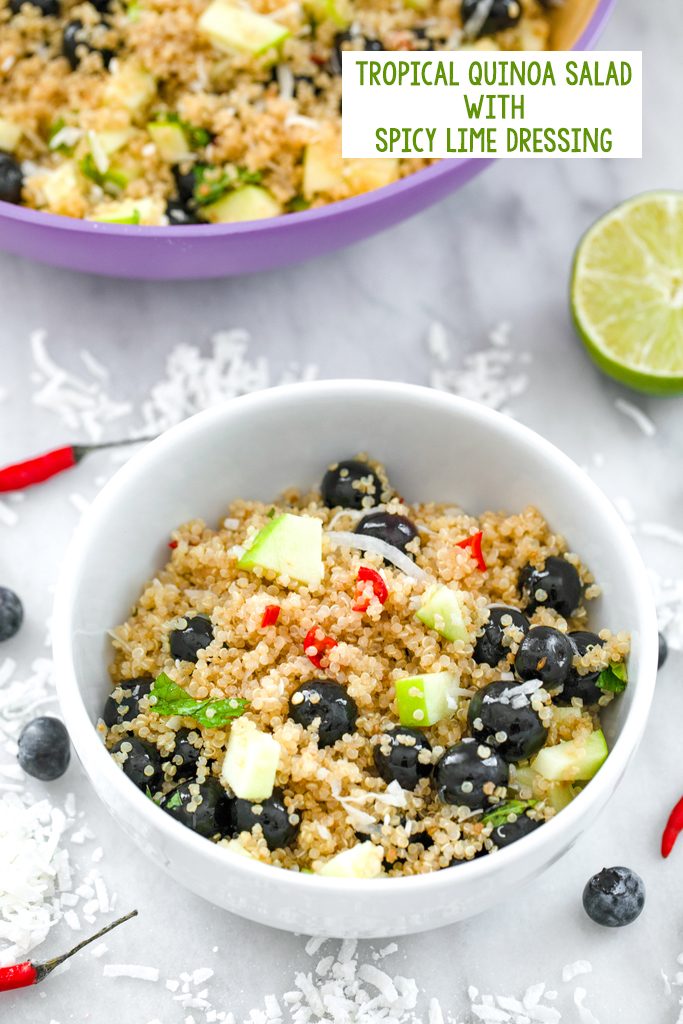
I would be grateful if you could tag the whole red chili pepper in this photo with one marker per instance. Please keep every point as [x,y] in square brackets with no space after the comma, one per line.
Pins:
[43,467]
[674,827]
[473,542]
[271,614]
[30,973]
[321,646]
[379,588]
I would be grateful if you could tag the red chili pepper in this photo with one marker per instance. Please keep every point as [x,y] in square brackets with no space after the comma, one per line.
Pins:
[673,827]
[30,973]
[473,542]
[321,646]
[173,544]
[270,615]
[379,588]
[43,467]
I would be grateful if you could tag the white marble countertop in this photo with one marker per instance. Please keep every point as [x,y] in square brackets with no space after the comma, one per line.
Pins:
[497,251]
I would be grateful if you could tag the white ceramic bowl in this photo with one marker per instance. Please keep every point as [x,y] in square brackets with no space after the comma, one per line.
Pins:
[436,447]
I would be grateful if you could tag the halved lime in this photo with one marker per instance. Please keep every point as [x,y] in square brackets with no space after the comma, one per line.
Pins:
[627,292]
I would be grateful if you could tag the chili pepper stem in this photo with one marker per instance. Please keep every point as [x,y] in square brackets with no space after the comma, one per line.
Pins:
[47,966]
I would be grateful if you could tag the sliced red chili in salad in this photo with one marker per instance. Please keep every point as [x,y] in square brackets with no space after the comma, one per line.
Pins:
[316,648]
[379,588]
[271,614]
[473,542]
[173,544]
[673,828]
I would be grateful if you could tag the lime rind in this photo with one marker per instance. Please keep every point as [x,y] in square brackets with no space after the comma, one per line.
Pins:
[627,292]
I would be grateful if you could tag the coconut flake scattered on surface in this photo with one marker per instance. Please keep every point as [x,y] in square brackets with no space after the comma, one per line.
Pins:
[571,971]
[490,375]
[634,413]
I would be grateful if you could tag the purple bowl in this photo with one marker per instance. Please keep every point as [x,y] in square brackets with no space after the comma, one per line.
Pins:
[220,250]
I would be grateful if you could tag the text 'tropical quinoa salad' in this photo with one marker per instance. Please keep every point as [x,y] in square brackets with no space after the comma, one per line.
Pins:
[348,685]
[184,111]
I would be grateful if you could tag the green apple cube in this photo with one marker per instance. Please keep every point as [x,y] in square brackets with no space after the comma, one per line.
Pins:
[572,760]
[290,546]
[233,28]
[561,794]
[251,760]
[441,610]
[251,202]
[235,846]
[364,860]
[424,700]
[170,141]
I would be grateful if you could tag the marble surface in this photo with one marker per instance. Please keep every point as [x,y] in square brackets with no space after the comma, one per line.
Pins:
[498,251]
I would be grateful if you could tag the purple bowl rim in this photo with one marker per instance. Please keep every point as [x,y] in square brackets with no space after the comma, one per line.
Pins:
[443,168]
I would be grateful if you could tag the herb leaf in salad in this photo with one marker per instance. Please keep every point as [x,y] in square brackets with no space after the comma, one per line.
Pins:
[171,699]
[614,678]
[499,815]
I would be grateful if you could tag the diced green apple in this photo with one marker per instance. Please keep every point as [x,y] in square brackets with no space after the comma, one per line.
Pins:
[251,760]
[426,699]
[10,133]
[339,12]
[441,610]
[572,760]
[364,860]
[233,28]
[323,167]
[250,202]
[290,546]
[170,141]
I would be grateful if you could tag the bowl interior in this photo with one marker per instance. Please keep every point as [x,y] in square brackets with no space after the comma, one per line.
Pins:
[436,448]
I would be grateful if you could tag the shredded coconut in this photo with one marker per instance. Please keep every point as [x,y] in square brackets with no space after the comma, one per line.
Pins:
[641,419]
[490,375]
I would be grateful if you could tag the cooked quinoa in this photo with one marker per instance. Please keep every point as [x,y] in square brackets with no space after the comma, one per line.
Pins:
[184,111]
[275,650]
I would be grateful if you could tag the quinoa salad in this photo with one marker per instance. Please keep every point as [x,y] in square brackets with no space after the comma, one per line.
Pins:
[344,684]
[182,112]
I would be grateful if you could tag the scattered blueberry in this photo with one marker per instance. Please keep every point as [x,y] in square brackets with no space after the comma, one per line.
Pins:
[128,707]
[351,484]
[11,608]
[663,650]
[179,214]
[211,807]
[468,773]
[11,179]
[558,580]
[503,14]
[271,814]
[44,749]
[393,529]
[517,733]
[328,705]
[76,43]
[510,831]
[545,654]
[490,648]
[402,764]
[46,7]
[185,184]
[335,61]
[185,755]
[614,897]
[141,762]
[577,685]
[186,643]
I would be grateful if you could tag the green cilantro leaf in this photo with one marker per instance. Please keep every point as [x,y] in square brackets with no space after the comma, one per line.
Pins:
[111,181]
[249,177]
[614,678]
[211,183]
[297,204]
[499,815]
[171,699]
[174,801]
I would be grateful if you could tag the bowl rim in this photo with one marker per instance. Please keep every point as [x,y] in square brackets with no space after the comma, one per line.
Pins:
[98,763]
[355,204]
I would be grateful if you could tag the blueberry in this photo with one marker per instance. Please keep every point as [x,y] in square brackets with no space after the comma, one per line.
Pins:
[351,484]
[211,807]
[614,897]
[545,654]
[468,773]
[76,43]
[517,733]
[335,62]
[127,707]
[510,831]
[140,761]
[577,685]
[179,214]
[402,763]
[392,529]
[185,184]
[558,580]
[186,643]
[11,179]
[185,754]
[271,814]
[101,5]
[503,14]
[44,749]
[11,608]
[663,650]
[326,706]
[46,7]
[490,648]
